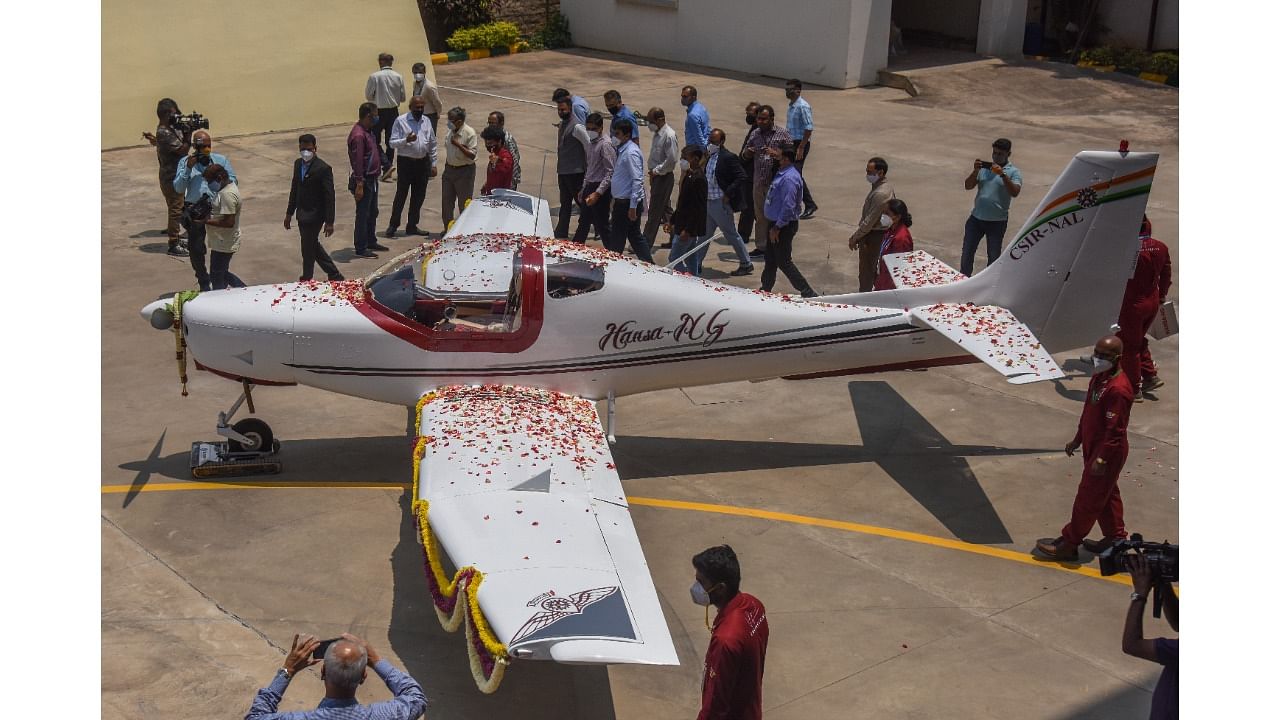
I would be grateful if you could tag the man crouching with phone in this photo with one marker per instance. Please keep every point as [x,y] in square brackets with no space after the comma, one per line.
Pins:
[345,667]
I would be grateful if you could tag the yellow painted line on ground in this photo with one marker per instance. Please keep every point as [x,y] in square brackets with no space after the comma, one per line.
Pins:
[948,543]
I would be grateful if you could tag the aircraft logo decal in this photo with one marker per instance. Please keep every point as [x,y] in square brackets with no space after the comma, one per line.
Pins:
[619,335]
[1087,197]
[555,608]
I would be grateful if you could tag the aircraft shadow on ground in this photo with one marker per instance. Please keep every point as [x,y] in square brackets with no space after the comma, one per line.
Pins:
[1127,702]
[439,661]
[894,436]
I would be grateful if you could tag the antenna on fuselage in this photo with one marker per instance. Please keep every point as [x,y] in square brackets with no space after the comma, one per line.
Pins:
[541,178]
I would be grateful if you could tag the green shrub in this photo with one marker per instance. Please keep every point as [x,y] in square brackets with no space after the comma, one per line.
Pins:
[1162,63]
[484,36]
[1099,56]
[555,34]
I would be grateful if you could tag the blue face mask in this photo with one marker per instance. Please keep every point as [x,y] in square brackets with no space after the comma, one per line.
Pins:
[214,186]
[376,120]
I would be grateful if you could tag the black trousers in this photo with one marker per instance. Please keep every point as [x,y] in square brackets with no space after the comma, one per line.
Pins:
[809,204]
[747,219]
[197,250]
[594,215]
[777,256]
[386,118]
[313,252]
[625,230]
[570,186]
[412,175]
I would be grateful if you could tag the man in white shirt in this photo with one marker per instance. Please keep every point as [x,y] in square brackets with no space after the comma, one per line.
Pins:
[425,89]
[386,89]
[664,154]
[415,144]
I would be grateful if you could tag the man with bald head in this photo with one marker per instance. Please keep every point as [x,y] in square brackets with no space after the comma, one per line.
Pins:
[345,667]
[413,137]
[1103,433]
[189,179]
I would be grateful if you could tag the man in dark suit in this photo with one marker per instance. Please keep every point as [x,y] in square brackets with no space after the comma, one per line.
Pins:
[311,196]
[727,184]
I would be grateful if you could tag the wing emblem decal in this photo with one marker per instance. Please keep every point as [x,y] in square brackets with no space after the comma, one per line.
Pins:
[555,608]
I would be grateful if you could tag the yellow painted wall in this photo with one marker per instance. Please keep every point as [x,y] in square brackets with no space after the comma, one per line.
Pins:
[249,65]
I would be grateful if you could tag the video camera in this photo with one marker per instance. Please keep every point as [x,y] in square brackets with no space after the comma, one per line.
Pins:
[187,124]
[1162,558]
[198,210]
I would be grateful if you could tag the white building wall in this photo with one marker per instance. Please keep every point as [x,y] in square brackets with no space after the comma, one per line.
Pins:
[825,42]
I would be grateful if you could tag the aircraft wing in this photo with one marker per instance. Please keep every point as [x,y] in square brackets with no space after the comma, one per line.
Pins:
[919,269]
[517,486]
[993,335]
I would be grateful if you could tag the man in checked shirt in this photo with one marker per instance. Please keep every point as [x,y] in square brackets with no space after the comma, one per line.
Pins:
[345,667]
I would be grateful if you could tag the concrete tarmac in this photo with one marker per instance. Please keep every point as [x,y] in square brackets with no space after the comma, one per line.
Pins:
[918,603]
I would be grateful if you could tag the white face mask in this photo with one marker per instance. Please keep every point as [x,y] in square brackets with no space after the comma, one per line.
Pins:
[684,165]
[615,141]
[593,134]
[306,155]
[713,148]
[653,128]
[419,76]
[872,179]
[699,595]
[1101,364]
[885,220]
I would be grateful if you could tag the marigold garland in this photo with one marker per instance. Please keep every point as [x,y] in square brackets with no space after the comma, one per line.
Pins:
[488,656]
[179,340]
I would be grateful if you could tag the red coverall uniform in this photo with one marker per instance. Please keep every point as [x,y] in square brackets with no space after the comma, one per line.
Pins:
[1103,433]
[499,176]
[1142,297]
[897,239]
[733,674]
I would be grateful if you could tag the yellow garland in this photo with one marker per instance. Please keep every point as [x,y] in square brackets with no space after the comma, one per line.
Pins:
[466,580]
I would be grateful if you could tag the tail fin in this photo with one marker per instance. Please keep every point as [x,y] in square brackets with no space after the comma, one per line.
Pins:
[1063,275]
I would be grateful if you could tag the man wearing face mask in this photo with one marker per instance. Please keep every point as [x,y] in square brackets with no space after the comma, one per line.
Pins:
[766,137]
[733,672]
[747,219]
[627,187]
[664,155]
[498,120]
[385,89]
[414,141]
[727,185]
[425,89]
[800,127]
[998,182]
[223,225]
[189,179]
[572,144]
[619,111]
[311,197]
[697,123]
[1103,433]
[366,159]
[595,195]
[866,239]
[462,144]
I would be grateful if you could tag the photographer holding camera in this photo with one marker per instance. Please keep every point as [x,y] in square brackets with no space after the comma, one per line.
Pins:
[171,146]
[346,662]
[1164,700]
[189,179]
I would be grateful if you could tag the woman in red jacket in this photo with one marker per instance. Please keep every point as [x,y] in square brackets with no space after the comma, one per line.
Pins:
[897,239]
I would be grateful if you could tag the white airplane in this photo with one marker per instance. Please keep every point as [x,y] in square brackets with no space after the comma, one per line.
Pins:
[505,341]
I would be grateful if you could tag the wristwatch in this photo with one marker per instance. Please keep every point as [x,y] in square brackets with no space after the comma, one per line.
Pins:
[1134,596]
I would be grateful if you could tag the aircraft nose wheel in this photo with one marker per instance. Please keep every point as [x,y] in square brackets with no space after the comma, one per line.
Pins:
[257,433]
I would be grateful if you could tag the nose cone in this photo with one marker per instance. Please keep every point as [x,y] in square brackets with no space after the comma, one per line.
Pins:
[243,332]
[158,313]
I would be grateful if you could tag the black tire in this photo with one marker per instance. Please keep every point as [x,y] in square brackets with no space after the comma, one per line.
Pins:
[258,432]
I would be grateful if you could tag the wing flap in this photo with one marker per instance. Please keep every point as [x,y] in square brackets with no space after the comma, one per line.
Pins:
[993,335]
[919,269]
[520,485]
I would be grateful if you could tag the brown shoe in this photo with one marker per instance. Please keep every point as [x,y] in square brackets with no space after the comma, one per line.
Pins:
[1055,549]
[1097,547]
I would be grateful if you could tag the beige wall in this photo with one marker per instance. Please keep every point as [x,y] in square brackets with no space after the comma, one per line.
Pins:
[251,66]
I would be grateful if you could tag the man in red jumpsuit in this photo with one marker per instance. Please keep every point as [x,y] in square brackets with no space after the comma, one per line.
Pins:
[1143,296]
[733,673]
[1103,431]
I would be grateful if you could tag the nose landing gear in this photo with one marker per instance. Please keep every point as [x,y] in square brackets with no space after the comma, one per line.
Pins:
[250,447]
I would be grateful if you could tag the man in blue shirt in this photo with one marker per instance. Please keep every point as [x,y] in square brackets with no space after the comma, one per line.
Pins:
[782,211]
[627,186]
[345,668]
[998,182]
[800,128]
[613,101]
[578,104]
[697,124]
[189,179]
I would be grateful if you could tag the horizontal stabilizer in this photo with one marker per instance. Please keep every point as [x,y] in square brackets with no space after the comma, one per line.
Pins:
[919,269]
[993,335]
